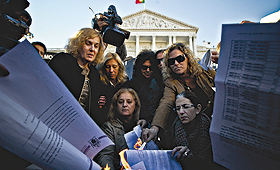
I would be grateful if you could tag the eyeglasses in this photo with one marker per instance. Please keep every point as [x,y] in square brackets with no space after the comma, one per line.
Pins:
[159,60]
[143,67]
[184,106]
[179,59]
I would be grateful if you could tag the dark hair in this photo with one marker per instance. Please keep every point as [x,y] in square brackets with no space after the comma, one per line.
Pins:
[159,51]
[40,44]
[143,56]
[189,95]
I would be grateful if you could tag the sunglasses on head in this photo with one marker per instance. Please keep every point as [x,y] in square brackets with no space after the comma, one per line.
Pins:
[179,59]
[143,67]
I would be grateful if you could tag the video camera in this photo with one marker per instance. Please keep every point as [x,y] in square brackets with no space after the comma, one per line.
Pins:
[14,23]
[112,34]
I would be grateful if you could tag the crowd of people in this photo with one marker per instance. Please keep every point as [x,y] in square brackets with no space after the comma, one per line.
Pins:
[169,95]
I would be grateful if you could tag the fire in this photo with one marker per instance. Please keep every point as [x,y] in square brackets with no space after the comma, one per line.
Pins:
[124,162]
[138,144]
[107,167]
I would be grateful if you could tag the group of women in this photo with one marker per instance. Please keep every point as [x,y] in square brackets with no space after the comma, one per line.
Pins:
[149,99]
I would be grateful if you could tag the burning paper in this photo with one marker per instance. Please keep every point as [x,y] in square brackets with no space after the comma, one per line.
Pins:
[150,160]
[134,142]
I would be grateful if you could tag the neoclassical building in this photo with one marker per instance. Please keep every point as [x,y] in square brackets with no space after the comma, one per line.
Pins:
[150,30]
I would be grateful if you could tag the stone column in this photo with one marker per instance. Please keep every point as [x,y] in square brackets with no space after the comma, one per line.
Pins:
[170,40]
[137,45]
[191,43]
[194,45]
[174,39]
[154,43]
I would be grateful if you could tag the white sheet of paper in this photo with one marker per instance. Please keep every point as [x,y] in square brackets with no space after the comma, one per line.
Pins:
[205,62]
[37,89]
[132,137]
[152,159]
[245,129]
[139,166]
[28,137]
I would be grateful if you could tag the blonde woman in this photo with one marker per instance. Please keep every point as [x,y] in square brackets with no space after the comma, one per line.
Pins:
[112,76]
[76,68]
[181,72]
[123,116]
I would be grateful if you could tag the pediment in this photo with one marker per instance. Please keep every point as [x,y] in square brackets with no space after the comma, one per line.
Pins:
[147,19]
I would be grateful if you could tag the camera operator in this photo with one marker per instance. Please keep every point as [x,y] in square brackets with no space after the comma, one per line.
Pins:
[14,23]
[109,21]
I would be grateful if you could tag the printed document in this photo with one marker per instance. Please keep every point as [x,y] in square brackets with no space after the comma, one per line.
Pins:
[40,113]
[245,129]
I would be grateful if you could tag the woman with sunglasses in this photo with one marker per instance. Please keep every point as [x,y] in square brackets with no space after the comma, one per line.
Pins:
[181,72]
[147,82]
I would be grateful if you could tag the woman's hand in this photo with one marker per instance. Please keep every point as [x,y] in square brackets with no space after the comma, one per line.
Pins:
[149,134]
[102,101]
[183,151]
[142,123]
[101,22]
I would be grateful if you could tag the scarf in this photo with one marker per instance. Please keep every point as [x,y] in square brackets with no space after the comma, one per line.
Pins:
[198,141]
[86,88]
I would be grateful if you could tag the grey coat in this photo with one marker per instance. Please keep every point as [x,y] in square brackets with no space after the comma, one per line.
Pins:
[110,155]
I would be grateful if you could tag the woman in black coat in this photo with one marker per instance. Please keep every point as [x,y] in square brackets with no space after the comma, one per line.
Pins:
[113,77]
[76,68]
[147,82]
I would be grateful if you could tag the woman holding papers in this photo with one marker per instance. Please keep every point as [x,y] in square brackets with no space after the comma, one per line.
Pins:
[76,68]
[181,72]
[191,129]
[123,116]
[190,134]
[112,75]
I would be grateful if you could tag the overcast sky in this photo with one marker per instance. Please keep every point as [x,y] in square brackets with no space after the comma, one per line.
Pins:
[54,21]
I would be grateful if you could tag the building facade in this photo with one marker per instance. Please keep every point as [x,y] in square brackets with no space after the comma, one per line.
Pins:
[150,30]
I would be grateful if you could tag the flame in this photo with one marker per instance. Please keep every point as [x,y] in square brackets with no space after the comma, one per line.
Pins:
[107,167]
[138,144]
[124,162]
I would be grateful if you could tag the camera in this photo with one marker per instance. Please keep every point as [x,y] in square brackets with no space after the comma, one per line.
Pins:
[14,23]
[112,34]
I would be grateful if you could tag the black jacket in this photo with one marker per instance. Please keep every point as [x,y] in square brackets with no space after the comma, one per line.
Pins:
[68,70]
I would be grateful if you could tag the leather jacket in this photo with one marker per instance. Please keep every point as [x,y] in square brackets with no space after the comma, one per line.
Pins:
[165,115]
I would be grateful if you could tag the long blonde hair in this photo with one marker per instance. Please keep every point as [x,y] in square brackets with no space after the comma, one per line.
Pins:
[113,108]
[120,79]
[194,68]
[76,42]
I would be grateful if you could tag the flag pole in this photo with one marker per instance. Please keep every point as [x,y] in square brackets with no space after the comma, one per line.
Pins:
[144,4]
